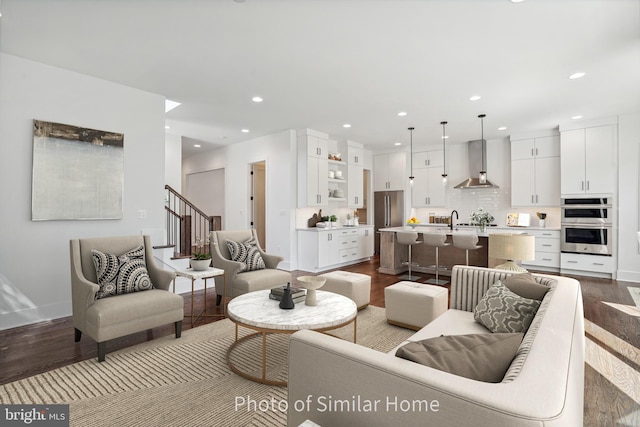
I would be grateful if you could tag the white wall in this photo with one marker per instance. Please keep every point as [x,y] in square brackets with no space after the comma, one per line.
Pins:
[628,206]
[173,162]
[279,152]
[31,90]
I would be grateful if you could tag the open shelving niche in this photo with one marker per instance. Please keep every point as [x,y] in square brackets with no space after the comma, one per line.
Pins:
[338,165]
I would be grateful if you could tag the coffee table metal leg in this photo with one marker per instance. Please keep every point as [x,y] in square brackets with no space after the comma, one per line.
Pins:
[264,356]
[192,298]
[355,323]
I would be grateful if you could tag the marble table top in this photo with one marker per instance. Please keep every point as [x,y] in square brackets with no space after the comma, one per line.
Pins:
[193,274]
[257,310]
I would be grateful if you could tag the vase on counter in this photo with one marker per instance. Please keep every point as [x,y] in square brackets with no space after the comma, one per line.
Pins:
[541,223]
[482,228]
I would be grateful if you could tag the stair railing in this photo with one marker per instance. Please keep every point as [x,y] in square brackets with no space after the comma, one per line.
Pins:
[188,227]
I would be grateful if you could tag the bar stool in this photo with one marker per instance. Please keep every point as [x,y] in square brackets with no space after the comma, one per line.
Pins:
[466,242]
[436,240]
[408,238]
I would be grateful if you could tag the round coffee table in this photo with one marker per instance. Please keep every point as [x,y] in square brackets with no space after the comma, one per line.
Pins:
[256,311]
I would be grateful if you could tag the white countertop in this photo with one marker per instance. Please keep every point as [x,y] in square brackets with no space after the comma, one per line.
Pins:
[464,229]
[340,227]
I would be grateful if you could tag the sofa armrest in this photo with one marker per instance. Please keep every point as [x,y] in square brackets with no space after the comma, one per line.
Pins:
[160,278]
[231,268]
[83,292]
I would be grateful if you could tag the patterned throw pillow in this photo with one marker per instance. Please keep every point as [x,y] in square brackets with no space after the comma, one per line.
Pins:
[247,253]
[121,274]
[501,310]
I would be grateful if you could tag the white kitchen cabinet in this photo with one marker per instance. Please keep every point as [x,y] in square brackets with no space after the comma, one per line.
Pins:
[355,177]
[428,190]
[547,250]
[588,160]
[389,171]
[530,148]
[320,250]
[600,266]
[425,159]
[535,171]
[535,182]
[313,169]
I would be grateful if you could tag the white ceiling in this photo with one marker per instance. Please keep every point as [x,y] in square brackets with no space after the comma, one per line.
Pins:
[320,64]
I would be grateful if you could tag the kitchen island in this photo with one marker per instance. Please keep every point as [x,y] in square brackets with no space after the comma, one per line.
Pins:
[393,254]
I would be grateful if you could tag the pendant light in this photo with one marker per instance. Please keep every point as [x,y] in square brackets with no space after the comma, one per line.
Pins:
[411,177]
[483,172]
[444,155]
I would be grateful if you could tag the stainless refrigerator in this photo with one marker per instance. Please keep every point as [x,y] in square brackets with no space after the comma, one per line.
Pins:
[388,212]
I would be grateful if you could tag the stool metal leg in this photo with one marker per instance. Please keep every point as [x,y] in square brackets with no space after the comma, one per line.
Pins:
[436,281]
[409,263]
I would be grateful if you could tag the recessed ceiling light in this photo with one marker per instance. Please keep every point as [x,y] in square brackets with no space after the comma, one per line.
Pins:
[397,143]
[475,98]
[170,105]
[576,117]
[245,131]
[516,1]
[402,113]
[197,145]
[445,137]
[257,99]
[167,127]
[502,128]
[346,125]
[577,75]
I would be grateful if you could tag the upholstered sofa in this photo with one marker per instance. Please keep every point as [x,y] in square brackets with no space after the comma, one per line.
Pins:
[238,281]
[543,386]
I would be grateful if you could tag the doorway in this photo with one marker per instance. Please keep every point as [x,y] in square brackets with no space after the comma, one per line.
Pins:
[258,201]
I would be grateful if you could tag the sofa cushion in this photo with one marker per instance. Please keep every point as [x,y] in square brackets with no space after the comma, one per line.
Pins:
[525,285]
[501,310]
[247,253]
[121,274]
[481,357]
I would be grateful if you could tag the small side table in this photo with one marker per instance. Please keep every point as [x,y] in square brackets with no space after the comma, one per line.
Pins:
[209,273]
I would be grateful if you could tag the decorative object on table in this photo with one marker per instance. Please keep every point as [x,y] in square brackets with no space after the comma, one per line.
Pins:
[311,283]
[481,218]
[338,174]
[332,174]
[335,156]
[200,260]
[286,303]
[512,247]
[356,218]
[541,219]
[338,193]
[297,294]
[413,221]
[518,219]
[333,220]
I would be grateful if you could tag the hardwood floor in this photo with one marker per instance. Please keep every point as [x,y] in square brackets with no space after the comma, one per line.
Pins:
[610,399]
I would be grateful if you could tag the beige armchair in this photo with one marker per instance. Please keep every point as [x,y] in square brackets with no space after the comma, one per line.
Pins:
[116,316]
[239,283]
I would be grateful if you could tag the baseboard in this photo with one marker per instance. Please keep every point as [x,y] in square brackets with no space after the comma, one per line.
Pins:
[628,276]
[31,315]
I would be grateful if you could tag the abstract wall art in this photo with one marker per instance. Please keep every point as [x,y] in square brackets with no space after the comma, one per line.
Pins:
[78,173]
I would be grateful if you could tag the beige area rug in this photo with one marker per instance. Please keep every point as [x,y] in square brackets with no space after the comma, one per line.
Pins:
[183,382]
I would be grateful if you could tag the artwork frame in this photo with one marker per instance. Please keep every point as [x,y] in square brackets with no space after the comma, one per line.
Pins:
[78,173]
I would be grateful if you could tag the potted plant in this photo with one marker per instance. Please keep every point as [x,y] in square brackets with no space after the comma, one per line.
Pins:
[333,220]
[200,261]
[482,218]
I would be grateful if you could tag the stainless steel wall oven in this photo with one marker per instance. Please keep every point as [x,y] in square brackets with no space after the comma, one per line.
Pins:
[586,226]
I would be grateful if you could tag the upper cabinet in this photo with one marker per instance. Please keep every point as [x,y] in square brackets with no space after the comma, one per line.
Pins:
[389,171]
[355,177]
[535,171]
[313,168]
[428,190]
[588,160]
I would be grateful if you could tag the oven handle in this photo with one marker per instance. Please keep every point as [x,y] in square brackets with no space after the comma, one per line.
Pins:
[586,206]
[593,226]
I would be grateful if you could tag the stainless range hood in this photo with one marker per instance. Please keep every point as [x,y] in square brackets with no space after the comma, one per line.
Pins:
[476,155]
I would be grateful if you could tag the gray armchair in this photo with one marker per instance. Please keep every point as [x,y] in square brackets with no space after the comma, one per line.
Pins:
[239,283]
[116,316]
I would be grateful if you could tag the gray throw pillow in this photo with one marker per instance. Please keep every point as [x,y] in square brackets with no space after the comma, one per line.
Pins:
[481,357]
[526,286]
[121,274]
[247,253]
[501,310]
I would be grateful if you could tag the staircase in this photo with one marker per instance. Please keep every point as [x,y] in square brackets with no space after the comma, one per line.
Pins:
[187,226]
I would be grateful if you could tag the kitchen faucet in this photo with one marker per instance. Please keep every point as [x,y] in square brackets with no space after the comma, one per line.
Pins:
[451,218]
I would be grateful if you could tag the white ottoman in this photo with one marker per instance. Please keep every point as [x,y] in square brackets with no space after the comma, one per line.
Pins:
[351,285]
[413,305]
